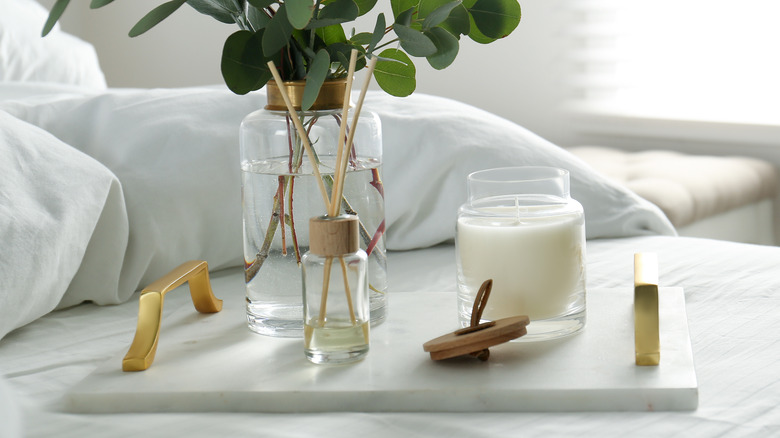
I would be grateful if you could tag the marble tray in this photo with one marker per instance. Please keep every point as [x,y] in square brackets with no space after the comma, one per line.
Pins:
[213,363]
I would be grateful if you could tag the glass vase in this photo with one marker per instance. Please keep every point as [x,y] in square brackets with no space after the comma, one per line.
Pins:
[280,193]
[521,228]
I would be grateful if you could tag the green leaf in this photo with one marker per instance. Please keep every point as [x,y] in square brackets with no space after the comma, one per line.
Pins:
[439,14]
[223,11]
[401,6]
[257,18]
[365,6]
[342,59]
[405,17]
[446,48]
[299,12]
[54,15]
[332,34]
[340,53]
[459,21]
[243,64]
[155,16]
[298,64]
[277,33]
[362,38]
[335,12]
[99,3]
[496,18]
[476,35]
[318,71]
[260,4]
[396,78]
[379,32]
[414,42]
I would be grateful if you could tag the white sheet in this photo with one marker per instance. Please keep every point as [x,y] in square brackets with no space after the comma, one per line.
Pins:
[732,302]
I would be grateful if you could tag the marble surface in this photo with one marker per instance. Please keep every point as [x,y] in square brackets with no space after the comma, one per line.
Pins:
[213,363]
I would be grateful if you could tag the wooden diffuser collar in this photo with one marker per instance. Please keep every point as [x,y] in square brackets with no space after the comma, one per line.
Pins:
[333,235]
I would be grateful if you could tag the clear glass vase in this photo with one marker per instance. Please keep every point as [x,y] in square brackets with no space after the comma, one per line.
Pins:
[280,193]
[521,228]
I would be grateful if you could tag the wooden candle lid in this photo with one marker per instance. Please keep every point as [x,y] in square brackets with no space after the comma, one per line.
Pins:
[477,338]
[333,235]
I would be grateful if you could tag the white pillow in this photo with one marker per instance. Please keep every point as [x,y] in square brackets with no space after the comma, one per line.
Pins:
[176,155]
[62,217]
[431,144]
[59,57]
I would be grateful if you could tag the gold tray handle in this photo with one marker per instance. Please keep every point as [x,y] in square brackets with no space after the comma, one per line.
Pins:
[647,341]
[141,353]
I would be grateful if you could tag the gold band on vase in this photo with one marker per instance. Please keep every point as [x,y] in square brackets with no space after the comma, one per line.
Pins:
[331,95]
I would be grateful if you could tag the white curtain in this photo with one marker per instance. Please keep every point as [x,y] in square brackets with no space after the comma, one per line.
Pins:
[712,60]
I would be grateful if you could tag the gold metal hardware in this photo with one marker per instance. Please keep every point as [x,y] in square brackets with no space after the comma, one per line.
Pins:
[331,95]
[141,353]
[646,327]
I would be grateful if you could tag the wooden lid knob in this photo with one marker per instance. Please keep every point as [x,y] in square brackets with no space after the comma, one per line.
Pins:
[333,235]
[477,338]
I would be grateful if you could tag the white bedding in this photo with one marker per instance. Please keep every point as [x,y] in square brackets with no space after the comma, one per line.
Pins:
[165,185]
[732,302]
[101,191]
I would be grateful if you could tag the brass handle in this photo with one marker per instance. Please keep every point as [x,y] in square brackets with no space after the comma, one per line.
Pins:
[646,326]
[150,306]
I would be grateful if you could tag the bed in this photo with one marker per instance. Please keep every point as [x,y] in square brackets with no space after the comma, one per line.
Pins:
[105,190]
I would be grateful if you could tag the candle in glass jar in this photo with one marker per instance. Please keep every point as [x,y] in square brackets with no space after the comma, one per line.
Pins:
[521,228]
[536,263]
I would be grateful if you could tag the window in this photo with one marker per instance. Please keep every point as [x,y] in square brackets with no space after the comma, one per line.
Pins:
[697,60]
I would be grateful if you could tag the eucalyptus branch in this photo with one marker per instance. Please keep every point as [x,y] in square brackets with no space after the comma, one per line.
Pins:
[395,40]
[315,15]
[290,219]
[251,269]
[242,22]
[438,41]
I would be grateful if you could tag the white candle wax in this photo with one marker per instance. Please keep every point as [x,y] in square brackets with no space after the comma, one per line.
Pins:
[536,263]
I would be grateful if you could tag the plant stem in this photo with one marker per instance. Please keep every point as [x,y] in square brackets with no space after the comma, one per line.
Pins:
[251,270]
[292,221]
[374,240]
[386,44]
[280,194]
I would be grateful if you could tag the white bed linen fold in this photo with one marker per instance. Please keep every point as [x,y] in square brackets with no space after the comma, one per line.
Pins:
[732,295]
[62,219]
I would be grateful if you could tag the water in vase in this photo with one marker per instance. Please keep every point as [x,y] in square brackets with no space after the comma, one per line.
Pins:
[277,208]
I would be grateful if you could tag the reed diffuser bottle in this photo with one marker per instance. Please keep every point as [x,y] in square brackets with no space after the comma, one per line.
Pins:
[335,292]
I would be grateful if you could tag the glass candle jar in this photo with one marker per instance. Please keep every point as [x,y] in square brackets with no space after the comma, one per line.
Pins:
[521,228]
[335,292]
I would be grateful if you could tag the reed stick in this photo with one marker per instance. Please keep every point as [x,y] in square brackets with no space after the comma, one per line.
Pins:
[338,187]
[349,293]
[335,203]
[301,133]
